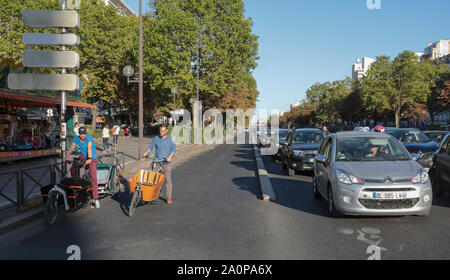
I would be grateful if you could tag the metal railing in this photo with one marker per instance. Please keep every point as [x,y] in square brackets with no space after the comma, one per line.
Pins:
[20,180]
[16,179]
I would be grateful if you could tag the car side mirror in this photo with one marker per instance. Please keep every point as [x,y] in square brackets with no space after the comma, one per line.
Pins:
[320,159]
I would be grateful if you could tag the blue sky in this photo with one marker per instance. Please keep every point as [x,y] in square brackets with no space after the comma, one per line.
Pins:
[306,41]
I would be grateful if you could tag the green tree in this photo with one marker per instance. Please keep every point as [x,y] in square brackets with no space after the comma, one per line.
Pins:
[211,35]
[396,86]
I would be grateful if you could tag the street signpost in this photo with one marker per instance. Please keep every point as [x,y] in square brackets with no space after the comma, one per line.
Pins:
[51,18]
[51,59]
[54,82]
[59,19]
[44,39]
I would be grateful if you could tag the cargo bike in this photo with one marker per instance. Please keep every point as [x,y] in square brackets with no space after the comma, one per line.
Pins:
[145,185]
[75,193]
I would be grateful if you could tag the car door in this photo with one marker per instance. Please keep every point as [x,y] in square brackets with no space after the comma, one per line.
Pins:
[321,168]
[285,148]
[443,163]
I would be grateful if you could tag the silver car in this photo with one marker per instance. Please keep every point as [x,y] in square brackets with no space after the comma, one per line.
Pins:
[370,174]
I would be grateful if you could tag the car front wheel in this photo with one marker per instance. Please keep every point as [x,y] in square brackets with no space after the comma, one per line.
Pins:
[331,206]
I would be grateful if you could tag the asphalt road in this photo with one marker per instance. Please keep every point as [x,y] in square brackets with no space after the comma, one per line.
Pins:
[218,214]
[408,237]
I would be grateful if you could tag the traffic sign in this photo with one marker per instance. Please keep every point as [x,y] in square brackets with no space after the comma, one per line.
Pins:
[50,19]
[56,82]
[51,59]
[46,39]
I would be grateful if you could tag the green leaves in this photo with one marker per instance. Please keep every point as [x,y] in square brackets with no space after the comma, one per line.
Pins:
[179,35]
[395,86]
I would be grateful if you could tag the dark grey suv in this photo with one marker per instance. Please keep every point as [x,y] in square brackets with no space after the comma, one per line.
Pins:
[300,148]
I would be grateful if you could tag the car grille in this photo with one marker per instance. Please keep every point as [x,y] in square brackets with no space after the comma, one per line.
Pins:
[399,180]
[389,204]
[389,190]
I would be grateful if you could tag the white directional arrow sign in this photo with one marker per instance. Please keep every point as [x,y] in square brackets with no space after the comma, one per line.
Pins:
[50,19]
[64,82]
[51,59]
[46,39]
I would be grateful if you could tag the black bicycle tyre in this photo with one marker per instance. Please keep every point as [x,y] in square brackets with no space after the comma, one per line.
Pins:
[51,210]
[134,202]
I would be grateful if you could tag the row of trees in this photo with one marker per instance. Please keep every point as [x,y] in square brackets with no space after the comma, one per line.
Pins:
[391,89]
[180,37]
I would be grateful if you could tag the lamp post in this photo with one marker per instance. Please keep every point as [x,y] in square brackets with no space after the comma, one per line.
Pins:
[174,91]
[141,84]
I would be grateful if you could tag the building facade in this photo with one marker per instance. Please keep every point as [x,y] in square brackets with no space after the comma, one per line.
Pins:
[359,69]
[121,7]
[437,50]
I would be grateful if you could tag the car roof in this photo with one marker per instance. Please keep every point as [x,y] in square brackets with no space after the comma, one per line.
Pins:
[308,129]
[402,128]
[344,134]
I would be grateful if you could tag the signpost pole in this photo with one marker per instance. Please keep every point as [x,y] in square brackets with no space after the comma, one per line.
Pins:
[63,105]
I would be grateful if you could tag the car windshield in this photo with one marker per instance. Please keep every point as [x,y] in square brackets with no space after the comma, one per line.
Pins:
[370,149]
[308,137]
[436,136]
[409,136]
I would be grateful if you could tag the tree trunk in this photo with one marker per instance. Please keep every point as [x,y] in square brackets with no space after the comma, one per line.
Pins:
[94,117]
[397,118]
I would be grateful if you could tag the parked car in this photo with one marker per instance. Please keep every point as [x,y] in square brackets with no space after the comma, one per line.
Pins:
[416,142]
[440,170]
[436,136]
[299,149]
[282,134]
[370,174]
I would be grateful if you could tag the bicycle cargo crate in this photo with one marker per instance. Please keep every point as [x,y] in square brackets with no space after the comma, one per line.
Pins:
[78,191]
[151,183]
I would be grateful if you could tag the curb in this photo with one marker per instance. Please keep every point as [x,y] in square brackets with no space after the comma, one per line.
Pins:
[263,178]
[20,220]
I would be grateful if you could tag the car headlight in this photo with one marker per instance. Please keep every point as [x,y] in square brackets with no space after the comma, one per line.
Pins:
[421,177]
[299,153]
[347,179]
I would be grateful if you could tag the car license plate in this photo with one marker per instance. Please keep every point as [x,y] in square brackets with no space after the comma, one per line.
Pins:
[310,160]
[389,195]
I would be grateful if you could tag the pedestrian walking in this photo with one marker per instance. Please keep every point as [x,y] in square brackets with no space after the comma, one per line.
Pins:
[106,136]
[76,127]
[126,131]
[164,149]
[116,132]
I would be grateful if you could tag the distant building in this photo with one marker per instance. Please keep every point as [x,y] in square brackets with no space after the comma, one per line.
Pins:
[437,50]
[420,56]
[359,69]
[121,7]
[298,103]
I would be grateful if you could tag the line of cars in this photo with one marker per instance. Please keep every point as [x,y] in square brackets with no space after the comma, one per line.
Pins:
[368,173]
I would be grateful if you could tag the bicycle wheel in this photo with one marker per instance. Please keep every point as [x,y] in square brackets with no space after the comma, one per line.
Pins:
[134,202]
[51,209]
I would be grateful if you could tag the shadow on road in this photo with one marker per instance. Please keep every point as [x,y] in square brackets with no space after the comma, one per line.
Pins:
[442,201]
[248,184]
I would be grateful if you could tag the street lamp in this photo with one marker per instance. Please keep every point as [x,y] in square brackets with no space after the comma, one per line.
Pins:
[174,91]
[128,71]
